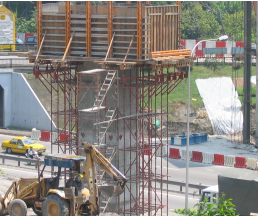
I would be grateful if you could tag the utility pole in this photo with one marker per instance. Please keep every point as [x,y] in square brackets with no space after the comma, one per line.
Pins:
[256,108]
[247,71]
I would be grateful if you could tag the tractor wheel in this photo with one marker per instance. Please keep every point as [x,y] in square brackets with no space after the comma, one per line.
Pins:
[54,205]
[36,211]
[17,208]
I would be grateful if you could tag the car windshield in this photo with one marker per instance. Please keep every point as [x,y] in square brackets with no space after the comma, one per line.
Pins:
[28,141]
[19,41]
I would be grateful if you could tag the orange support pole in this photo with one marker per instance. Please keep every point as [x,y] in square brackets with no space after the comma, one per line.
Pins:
[148,2]
[110,26]
[68,27]
[139,30]
[178,3]
[88,28]
[39,22]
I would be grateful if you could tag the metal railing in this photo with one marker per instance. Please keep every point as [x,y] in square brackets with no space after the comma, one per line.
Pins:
[170,182]
[18,47]
[182,184]
[20,159]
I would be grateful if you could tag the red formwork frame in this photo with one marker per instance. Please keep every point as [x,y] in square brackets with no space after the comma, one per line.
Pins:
[149,90]
[61,84]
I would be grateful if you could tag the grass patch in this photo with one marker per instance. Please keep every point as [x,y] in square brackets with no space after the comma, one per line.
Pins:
[180,94]
[3,172]
[253,93]
[190,212]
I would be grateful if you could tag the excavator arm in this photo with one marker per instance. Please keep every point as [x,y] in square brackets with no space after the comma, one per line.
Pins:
[94,156]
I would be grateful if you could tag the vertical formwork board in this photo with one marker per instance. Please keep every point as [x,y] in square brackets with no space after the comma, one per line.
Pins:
[159,30]
[99,30]
[55,26]
[125,26]
[163,25]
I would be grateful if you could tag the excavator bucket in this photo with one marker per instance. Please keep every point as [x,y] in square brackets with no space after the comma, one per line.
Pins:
[3,211]
[110,190]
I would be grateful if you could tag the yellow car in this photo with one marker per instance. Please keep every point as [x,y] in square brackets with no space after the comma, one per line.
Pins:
[22,144]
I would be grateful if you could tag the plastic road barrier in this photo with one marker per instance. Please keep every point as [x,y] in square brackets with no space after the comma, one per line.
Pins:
[54,136]
[35,134]
[196,156]
[240,162]
[251,163]
[45,136]
[218,159]
[63,137]
[161,152]
[174,153]
[147,150]
[229,160]
[207,158]
[183,155]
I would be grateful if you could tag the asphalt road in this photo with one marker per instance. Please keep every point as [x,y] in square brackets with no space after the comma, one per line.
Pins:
[205,174]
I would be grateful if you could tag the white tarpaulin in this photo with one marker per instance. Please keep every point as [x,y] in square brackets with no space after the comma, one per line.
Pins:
[253,79]
[222,104]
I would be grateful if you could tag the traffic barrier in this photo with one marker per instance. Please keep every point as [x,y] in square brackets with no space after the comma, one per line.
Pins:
[35,134]
[196,156]
[218,159]
[63,137]
[240,162]
[177,140]
[183,155]
[207,158]
[147,149]
[174,153]
[251,163]
[161,151]
[229,160]
[54,136]
[45,136]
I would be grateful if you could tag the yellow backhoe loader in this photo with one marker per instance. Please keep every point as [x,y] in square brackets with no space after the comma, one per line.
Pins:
[47,198]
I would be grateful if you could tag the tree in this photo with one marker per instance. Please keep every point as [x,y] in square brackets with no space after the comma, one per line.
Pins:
[199,24]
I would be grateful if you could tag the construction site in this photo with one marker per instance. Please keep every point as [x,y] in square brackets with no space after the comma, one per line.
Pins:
[109,67]
[103,97]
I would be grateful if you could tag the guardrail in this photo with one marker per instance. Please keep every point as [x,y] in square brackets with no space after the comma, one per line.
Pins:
[18,47]
[170,182]
[20,159]
[182,184]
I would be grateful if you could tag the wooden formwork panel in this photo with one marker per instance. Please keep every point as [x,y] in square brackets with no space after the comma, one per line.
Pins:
[159,30]
[163,25]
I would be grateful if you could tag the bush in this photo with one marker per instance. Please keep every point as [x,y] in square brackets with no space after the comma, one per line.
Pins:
[214,64]
[222,207]
[237,66]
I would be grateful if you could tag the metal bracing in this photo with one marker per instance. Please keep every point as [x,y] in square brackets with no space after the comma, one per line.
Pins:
[60,82]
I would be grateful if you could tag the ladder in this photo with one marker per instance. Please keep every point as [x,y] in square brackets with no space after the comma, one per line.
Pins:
[108,119]
[104,89]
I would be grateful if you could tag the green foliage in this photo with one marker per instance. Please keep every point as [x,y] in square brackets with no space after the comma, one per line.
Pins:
[199,24]
[3,172]
[214,64]
[26,26]
[240,92]
[223,207]
[189,212]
